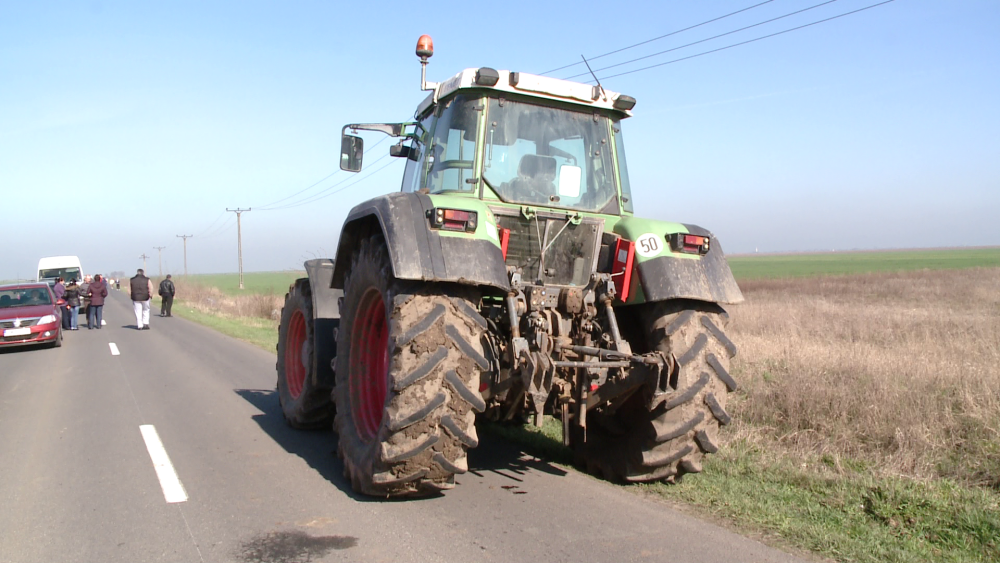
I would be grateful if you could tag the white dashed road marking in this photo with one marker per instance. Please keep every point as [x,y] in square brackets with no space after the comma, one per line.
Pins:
[173,490]
[114,349]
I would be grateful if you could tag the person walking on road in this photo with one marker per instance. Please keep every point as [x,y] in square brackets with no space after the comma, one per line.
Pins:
[166,296]
[141,289]
[59,290]
[72,298]
[98,290]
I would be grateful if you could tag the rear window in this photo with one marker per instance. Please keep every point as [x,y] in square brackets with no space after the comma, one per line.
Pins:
[71,273]
[10,298]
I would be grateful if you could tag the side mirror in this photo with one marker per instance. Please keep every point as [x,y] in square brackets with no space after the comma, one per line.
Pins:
[351,150]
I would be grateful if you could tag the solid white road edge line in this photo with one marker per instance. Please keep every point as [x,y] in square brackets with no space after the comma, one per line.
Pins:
[114,349]
[173,490]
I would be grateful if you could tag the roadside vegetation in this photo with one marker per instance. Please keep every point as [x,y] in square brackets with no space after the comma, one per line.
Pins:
[867,425]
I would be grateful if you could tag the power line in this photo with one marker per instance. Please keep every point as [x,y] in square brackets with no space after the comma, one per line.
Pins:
[708,39]
[660,37]
[222,229]
[750,41]
[370,174]
[208,228]
[266,207]
[323,194]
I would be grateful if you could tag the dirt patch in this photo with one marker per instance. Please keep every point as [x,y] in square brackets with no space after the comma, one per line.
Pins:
[291,547]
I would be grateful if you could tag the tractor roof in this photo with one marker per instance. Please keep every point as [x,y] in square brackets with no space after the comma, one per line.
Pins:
[543,87]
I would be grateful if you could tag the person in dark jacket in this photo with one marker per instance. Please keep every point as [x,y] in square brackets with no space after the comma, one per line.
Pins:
[166,296]
[141,290]
[72,297]
[60,291]
[97,292]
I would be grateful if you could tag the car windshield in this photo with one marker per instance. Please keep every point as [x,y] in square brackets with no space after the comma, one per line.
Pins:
[10,298]
[549,156]
[64,273]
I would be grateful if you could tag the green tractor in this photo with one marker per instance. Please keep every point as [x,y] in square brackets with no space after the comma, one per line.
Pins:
[509,279]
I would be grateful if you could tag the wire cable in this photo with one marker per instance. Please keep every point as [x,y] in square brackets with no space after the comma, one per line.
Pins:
[318,197]
[265,207]
[708,39]
[660,37]
[750,41]
[208,228]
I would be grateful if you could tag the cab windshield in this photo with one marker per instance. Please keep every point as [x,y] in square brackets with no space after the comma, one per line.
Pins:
[549,156]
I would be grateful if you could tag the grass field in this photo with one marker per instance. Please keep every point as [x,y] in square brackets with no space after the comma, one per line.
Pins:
[867,425]
[255,282]
[764,266]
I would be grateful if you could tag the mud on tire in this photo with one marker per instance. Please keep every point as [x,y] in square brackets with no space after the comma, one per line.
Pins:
[303,403]
[637,444]
[407,379]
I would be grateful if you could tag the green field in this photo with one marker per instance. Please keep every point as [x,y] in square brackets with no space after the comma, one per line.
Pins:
[253,282]
[839,263]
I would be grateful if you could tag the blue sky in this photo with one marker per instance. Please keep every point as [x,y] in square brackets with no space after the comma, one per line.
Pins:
[124,124]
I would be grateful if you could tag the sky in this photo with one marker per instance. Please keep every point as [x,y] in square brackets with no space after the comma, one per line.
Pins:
[126,124]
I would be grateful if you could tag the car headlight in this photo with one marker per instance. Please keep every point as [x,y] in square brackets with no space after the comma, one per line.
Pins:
[47,319]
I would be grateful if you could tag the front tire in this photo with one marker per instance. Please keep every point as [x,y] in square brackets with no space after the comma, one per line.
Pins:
[637,444]
[304,404]
[408,370]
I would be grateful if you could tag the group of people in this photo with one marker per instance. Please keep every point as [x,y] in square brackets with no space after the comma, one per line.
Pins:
[74,295]
[95,289]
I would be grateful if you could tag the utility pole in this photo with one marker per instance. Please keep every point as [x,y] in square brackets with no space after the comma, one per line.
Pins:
[185,237]
[239,238]
[143,256]
[159,255]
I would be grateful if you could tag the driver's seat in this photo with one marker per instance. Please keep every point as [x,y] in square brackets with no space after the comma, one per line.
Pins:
[538,173]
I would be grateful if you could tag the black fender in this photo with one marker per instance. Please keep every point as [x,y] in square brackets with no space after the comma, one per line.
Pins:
[326,319]
[417,251]
[707,279]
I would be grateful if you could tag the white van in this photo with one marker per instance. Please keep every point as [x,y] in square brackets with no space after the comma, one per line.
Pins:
[65,267]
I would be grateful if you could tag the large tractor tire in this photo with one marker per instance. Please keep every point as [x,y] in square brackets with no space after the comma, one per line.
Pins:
[639,444]
[407,379]
[304,404]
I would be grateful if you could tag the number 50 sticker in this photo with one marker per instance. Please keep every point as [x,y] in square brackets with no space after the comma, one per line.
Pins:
[649,244]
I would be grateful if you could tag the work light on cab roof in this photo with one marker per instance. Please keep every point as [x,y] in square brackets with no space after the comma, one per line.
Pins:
[516,82]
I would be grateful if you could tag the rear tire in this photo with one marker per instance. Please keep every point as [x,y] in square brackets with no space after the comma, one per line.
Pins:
[408,370]
[640,445]
[303,403]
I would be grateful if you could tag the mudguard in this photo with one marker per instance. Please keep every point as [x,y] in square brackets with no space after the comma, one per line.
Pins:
[326,319]
[671,275]
[417,251]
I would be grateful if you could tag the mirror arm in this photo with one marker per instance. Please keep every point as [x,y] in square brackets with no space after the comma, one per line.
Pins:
[391,129]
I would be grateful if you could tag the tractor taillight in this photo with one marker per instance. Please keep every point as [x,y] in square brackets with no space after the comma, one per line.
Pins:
[621,267]
[453,219]
[689,244]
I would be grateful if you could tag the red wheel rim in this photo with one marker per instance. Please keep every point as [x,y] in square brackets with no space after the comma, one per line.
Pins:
[369,365]
[295,364]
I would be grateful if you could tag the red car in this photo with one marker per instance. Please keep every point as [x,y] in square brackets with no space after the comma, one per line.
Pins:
[29,315]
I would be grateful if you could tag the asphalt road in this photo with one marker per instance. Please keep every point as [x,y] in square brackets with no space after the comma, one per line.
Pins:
[78,484]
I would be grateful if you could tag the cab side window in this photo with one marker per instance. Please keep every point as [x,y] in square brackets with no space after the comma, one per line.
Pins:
[414,173]
[451,152]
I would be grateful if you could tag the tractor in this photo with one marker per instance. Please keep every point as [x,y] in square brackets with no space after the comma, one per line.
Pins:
[509,279]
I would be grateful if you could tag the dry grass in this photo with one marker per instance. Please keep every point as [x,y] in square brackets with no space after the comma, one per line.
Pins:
[213,301]
[896,373]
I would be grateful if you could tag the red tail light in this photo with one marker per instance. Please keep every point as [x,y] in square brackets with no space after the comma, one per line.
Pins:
[621,268]
[689,244]
[453,219]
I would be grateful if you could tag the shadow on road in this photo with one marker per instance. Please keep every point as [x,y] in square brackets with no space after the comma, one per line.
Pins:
[318,448]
